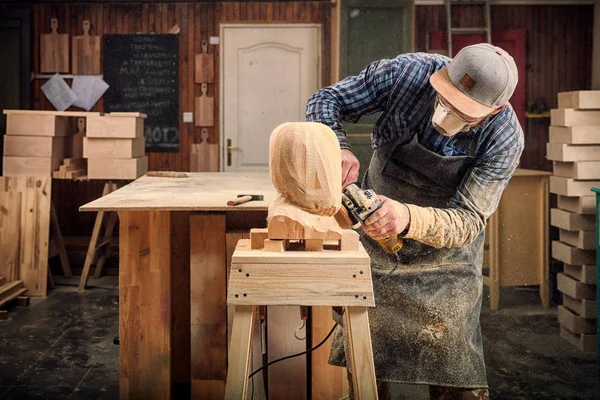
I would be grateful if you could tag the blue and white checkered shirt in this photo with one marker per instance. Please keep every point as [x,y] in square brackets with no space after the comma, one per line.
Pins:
[399,88]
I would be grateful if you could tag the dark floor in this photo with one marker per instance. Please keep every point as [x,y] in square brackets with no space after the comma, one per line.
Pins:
[61,347]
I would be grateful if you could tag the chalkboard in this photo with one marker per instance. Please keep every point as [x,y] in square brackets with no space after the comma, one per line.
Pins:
[143,74]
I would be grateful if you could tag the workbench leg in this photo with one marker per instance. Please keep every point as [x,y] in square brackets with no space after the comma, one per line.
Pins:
[208,297]
[91,253]
[364,382]
[239,356]
[59,242]
[145,308]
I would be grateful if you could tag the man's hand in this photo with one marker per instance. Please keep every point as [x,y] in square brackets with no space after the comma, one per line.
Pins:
[350,167]
[391,219]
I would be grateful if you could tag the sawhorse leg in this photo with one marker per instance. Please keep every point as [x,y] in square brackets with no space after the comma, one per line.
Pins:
[59,243]
[364,383]
[94,247]
[239,354]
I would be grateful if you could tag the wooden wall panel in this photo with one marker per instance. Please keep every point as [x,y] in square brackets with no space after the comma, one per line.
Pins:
[197,21]
[559,55]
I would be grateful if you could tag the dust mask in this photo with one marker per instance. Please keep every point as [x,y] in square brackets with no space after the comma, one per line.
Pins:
[446,123]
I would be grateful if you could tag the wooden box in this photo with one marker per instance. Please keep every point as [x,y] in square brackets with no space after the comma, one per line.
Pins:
[570,187]
[571,117]
[575,134]
[566,152]
[34,146]
[116,125]
[115,168]
[114,148]
[583,99]
[30,166]
[572,221]
[579,205]
[36,125]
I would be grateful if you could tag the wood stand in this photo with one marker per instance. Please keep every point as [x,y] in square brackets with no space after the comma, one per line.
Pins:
[99,248]
[316,276]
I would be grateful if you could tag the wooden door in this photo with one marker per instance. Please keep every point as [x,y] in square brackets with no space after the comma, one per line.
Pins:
[512,41]
[268,74]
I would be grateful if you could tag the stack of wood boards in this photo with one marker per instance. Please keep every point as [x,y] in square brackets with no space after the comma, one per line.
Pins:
[575,149]
[34,144]
[71,168]
[115,146]
[10,290]
[25,230]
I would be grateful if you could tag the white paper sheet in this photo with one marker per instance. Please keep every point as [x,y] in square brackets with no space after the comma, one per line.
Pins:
[88,89]
[59,93]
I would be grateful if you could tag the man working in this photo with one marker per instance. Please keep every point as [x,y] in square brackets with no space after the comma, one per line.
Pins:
[446,144]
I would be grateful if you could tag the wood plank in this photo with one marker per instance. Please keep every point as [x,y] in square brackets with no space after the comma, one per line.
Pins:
[583,273]
[145,305]
[574,323]
[328,381]
[8,291]
[579,205]
[578,170]
[583,308]
[54,113]
[572,221]
[231,241]
[575,134]
[582,99]
[572,255]
[114,148]
[117,168]
[566,152]
[574,288]
[10,230]
[571,117]
[208,305]
[34,146]
[361,352]
[584,342]
[115,125]
[36,125]
[584,240]
[239,358]
[12,296]
[30,166]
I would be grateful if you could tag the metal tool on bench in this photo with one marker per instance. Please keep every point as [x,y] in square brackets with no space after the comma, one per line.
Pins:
[244,198]
[360,204]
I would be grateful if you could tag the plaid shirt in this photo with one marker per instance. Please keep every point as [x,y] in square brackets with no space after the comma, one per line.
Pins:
[400,90]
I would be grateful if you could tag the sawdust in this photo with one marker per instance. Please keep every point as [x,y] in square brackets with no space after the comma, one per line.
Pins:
[433,330]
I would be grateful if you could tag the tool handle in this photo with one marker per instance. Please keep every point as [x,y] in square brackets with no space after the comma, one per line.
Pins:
[239,200]
[392,244]
[166,174]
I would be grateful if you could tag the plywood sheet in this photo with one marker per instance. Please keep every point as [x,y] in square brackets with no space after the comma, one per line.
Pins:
[208,191]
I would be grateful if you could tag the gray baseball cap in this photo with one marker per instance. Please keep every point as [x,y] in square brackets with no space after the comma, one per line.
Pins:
[478,80]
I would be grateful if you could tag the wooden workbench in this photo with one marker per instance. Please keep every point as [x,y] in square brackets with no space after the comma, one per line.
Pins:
[175,236]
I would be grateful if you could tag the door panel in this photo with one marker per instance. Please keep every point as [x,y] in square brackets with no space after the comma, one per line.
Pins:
[269,72]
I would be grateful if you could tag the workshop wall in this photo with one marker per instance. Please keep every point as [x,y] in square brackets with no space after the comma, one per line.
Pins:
[559,55]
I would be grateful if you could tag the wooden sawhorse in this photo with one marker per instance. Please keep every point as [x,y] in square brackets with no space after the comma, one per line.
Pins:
[339,278]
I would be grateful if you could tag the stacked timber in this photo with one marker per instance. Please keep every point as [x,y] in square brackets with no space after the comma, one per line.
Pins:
[35,143]
[575,150]
[115,146]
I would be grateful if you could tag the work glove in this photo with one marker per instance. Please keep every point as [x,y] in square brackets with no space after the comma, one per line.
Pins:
[350,167]
[391,219]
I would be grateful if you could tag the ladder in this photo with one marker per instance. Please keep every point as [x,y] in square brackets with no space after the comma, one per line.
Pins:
[487,29]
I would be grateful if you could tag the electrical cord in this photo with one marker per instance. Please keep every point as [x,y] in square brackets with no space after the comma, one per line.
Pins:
[295,355]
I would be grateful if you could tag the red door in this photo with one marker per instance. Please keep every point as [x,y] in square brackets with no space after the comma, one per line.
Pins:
[513,41]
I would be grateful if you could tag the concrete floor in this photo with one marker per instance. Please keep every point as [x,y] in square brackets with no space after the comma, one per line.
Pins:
[61,347]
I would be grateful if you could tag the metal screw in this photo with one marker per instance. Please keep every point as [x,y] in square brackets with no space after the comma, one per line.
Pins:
[236,296]
[240,270]
[247,275]
[244,294]
[356,296]
[354,276]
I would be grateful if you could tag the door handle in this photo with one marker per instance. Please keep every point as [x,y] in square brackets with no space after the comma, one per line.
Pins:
[230,148]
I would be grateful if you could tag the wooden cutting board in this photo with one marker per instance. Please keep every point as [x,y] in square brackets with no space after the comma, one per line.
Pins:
[85,59]
[204,69]
[204,157]
[54,50]
[205,109]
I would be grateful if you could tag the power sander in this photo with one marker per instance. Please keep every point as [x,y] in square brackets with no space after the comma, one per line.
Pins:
[360,205]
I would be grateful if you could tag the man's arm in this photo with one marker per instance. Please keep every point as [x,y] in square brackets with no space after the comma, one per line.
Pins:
[353,97]
[476,199]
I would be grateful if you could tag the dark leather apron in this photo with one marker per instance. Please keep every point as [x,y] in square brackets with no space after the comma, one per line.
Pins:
[425,324]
